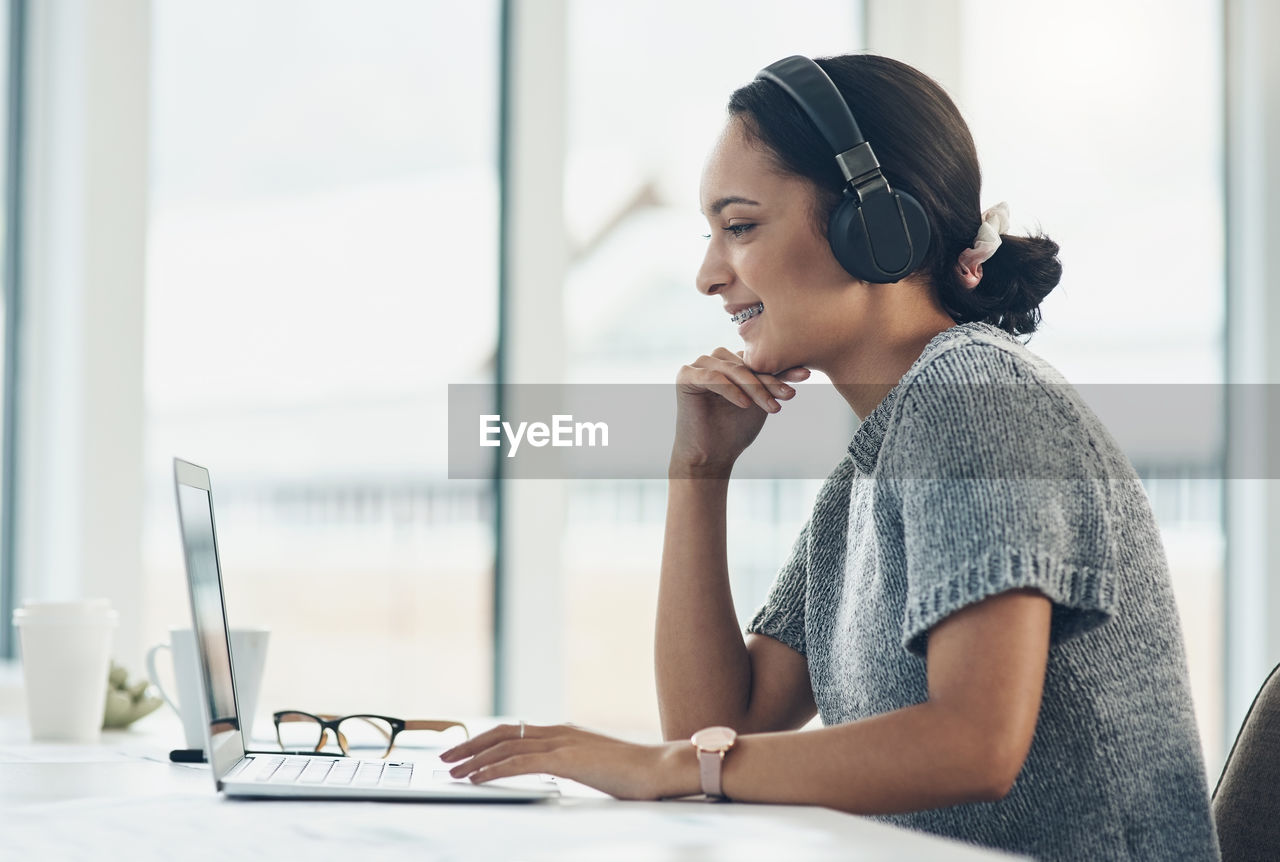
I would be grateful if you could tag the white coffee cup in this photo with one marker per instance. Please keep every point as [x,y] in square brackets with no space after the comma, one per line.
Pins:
[248,657]
[66,654]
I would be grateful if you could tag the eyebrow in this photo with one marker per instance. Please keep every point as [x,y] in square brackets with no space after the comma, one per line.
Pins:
[731,199]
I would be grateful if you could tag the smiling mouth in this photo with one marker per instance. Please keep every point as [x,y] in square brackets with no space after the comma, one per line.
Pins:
[747,313]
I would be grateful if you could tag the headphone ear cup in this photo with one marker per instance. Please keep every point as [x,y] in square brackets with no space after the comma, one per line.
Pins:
[883,239]
[847,238]
[917,228]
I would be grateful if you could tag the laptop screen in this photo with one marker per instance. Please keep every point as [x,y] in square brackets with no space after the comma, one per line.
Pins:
[208,612]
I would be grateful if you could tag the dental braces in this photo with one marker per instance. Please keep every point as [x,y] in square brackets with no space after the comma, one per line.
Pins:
[747,313]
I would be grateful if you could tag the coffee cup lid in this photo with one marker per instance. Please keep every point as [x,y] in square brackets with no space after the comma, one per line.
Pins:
[80,611]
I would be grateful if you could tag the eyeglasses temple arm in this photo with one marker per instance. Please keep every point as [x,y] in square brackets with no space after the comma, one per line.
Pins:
[436,725]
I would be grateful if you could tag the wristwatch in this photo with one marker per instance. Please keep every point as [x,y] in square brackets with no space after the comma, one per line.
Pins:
[712,744]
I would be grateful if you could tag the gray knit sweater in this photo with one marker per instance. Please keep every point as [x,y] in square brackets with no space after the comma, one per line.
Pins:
[982,471]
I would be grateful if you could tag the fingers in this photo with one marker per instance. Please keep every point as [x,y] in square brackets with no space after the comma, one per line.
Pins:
[490,738]
[520,764]
[724,370]
[717,382]
[503,751]
[774,381]
[797,373]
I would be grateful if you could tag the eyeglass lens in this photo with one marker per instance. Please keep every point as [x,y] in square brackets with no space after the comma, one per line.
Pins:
[365,736]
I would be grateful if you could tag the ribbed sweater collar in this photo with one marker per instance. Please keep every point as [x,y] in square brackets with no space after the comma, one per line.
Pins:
[865,446]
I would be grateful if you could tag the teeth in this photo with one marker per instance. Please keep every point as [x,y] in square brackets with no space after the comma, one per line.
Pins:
[747,313]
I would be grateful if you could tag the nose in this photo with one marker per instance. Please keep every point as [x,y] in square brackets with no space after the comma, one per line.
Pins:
[715,273]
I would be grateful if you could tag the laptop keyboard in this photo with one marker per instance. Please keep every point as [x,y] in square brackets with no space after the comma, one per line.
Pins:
[341,771]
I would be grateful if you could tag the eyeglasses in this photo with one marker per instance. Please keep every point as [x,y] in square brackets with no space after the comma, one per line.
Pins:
[363,735]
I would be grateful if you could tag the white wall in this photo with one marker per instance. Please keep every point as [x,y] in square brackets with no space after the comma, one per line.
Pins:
[894,29]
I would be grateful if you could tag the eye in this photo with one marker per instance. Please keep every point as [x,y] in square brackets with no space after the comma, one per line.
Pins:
[739,229]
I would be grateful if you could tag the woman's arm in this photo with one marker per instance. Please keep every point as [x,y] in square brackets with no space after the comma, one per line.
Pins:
[706,673]
[966,743]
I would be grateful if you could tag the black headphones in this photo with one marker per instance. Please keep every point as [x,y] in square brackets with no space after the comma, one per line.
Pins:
[879,235]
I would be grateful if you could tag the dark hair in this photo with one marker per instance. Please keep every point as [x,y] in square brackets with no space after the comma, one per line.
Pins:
[925,148]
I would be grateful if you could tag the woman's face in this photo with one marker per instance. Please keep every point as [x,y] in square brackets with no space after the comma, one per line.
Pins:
[766,250]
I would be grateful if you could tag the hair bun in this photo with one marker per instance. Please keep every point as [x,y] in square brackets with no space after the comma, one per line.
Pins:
[1015,280]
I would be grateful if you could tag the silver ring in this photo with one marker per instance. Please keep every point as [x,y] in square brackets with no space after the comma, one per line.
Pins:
[522,730]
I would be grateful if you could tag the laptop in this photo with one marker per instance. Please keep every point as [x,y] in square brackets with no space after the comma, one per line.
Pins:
[293,775]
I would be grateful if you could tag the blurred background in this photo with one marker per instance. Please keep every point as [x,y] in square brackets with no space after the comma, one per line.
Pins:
[266,235]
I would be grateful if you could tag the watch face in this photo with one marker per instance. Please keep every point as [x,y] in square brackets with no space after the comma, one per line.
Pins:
[715,738]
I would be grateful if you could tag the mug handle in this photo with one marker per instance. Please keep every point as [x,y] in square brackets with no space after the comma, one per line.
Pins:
[155,677]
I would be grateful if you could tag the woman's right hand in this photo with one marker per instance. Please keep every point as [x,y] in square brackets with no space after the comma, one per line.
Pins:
[721,405]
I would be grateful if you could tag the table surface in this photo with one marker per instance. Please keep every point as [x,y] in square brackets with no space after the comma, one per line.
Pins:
[123,799]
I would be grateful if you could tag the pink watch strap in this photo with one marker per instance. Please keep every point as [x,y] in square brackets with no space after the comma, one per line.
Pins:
[710,763]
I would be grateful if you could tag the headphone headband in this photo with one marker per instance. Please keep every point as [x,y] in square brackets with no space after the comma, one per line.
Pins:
[813,90]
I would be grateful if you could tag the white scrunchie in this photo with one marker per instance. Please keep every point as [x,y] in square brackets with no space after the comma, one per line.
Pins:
[995,221]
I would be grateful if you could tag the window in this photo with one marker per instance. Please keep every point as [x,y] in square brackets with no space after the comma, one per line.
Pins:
[321,204]
[322,263]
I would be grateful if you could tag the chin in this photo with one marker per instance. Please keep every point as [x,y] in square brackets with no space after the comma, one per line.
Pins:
[763,361]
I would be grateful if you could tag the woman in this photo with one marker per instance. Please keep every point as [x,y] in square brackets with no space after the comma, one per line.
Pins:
[979,606]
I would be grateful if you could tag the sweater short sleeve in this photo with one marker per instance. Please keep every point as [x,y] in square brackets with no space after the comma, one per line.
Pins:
[1000,489]
[781,617]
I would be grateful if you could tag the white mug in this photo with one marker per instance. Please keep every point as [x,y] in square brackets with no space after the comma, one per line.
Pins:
[66,653]
[248,656]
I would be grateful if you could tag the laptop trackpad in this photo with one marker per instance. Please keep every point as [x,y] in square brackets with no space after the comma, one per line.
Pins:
[538,783]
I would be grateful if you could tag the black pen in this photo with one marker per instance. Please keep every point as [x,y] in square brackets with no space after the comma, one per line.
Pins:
[196,755]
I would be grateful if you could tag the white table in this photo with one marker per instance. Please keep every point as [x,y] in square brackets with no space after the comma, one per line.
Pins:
[123,799]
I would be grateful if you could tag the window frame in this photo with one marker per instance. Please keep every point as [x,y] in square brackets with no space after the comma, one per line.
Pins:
[14,113]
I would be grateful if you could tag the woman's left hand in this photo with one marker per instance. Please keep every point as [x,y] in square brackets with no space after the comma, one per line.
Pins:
[626,770]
